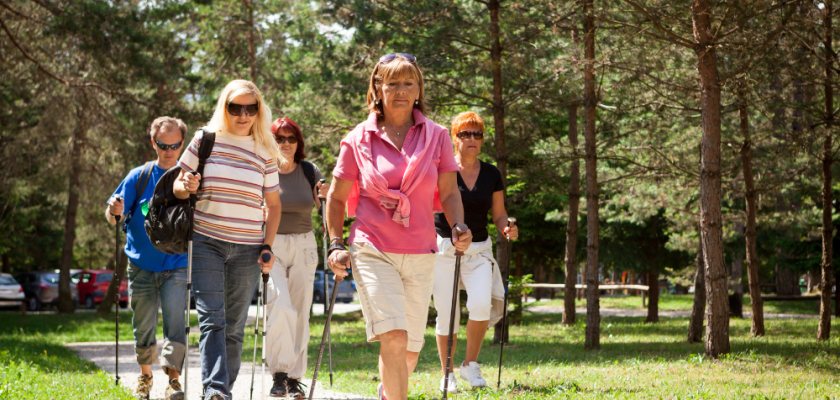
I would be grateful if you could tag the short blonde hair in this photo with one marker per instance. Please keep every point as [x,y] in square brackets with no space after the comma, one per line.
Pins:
[464,118]
[166,123]
[397,68]
[261,128]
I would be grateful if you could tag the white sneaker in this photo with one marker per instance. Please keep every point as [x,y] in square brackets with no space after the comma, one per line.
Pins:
[472,374]
[453,385]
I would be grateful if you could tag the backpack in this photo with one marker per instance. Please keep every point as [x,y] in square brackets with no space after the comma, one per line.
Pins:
[169,219]
[147,173]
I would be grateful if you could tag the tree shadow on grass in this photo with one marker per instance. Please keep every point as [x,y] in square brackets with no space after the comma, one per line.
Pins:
[44,353]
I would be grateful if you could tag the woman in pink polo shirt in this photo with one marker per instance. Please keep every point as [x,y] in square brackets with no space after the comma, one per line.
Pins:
[386,176]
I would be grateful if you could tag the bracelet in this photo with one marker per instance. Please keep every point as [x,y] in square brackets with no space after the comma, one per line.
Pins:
[335,246]
[266,247]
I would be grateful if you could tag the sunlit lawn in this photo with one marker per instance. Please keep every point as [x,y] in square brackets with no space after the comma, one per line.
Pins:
[542,361]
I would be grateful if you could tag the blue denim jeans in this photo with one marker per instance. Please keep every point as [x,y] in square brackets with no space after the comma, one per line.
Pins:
[149,291]
[224,278]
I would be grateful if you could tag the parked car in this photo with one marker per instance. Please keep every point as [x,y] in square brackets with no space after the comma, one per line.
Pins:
[11,291]
[93,285]
[345,289]
[41,288]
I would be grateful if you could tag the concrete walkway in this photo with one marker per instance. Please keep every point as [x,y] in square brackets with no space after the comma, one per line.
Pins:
[102,354]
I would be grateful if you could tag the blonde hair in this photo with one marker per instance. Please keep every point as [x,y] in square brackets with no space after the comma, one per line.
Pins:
[166,123]
[261,128]
[465,118]
[397,68]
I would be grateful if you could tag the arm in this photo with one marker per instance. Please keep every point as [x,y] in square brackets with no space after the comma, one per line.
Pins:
[500,216]
[272,221]
[186,184]
[453,208]
[336,204]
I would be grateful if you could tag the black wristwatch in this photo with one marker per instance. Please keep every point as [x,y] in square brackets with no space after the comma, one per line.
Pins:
[335,246]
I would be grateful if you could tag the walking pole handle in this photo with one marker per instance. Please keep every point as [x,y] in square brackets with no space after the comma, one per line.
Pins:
[322,181]
[511,222]
[265,258]
[117,217]
[458,253]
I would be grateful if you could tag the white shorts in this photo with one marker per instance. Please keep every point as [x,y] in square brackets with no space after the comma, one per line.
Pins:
[477,268]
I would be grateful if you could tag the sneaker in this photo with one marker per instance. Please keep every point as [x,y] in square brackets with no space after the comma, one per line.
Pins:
[173,391]
[144,386]
[453,385]
[295,388]
[472,374]
[279,387]
[380,390]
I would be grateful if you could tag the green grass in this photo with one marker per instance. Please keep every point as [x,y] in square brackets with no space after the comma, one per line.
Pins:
[683,302]
[34,364]
[636,360]
[542,361]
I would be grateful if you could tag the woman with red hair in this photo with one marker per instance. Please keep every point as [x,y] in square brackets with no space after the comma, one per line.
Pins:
[290,288]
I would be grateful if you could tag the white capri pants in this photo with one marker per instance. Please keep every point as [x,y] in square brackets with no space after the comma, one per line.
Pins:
[289,299]
[477,265]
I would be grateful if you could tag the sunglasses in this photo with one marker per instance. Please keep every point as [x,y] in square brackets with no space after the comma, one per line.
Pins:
[392,56]
[477,135]
[166,147]
[237,109]
[286,139]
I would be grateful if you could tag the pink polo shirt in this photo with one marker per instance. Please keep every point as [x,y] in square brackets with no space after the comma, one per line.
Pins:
[373,221]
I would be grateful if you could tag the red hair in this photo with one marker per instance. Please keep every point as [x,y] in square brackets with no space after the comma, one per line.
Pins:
[286,124]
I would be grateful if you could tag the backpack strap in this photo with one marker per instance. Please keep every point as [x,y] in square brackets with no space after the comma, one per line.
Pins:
[309,173]
[147,173]
[208,139]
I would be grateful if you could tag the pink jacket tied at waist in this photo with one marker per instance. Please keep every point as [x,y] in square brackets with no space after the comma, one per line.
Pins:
[373,182]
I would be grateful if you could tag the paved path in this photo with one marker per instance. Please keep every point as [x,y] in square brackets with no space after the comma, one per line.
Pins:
[615,312]
[102,354]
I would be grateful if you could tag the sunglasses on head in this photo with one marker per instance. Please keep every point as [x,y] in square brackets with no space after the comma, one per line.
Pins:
[166,147]
[392,56]
[477,135]
[237,109]
[286,139]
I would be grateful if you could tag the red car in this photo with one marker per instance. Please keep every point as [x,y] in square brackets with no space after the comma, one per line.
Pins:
[93,284]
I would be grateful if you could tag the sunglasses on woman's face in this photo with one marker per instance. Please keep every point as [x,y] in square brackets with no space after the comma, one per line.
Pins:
[166,147]
[237,109]
[477,135]
[286,139]
[392,56]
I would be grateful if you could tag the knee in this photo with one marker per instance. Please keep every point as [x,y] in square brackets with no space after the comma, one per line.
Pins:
[394,340]
[479,310]
[212,321]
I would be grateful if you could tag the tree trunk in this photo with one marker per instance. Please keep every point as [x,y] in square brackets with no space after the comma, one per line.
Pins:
[65,299]
[717,325]
[653,291]
[494,6]
[108,301]
[787,282]
[757,324]
[7,268]
[813,283]
[695,324]
[572,225]
[824,329]
[593,313]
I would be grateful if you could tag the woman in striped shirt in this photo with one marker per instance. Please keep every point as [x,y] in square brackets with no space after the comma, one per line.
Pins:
[239,175]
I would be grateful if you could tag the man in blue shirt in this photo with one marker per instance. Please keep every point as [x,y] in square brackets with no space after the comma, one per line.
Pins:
[155,279]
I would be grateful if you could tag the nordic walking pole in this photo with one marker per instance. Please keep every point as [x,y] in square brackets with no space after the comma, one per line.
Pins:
[256,334]
[452,321]
[265,258]
[186,367]
[506,276]
[324,337]
[117,298]
[326,284]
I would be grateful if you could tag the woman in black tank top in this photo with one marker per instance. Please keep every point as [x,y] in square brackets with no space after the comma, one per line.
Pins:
[481,186]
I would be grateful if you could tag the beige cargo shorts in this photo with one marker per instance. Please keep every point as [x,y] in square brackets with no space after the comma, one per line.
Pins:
[395,291]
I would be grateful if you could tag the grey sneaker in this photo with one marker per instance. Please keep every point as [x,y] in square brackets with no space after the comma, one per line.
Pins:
[453,385]
[472,374]
[144,386]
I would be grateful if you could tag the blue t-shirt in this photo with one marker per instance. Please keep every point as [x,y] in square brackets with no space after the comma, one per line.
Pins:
[138,247]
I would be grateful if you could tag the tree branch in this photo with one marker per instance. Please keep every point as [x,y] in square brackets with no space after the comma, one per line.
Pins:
[684,41]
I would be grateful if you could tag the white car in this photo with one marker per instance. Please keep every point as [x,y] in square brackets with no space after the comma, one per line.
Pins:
[11,292]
